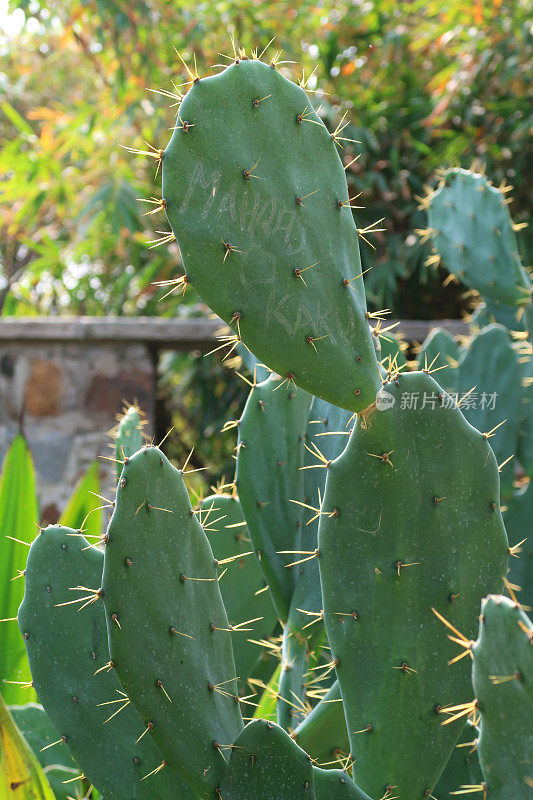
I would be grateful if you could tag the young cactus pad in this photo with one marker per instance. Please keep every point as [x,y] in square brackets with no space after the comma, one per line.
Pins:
[72,673]
[168,630]
[266,764]
[411,522]
[256,195]
[128,433]
[322,733]
[472,231]
[502,676]
[244,591]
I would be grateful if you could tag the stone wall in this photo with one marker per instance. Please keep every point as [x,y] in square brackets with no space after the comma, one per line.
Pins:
[65,398]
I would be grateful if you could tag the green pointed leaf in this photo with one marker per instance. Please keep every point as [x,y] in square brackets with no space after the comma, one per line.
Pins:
[18,515]
[266,708]
[84,508]
[21,775]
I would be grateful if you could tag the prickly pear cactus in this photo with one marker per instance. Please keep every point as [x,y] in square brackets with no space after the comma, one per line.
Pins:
[270,452]
[334,784]
[265,763]
[511,317]
[327,432]
[517,516]
[472,232]
[168,631]
[256,195]
[410,522]
[489,376]
[326,436]
[502,676]
[393,348]
[525,430]
[244,591]
[73,675]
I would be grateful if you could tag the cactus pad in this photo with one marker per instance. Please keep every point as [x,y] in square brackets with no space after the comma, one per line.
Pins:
[502,676]
[270,453]
[322,733]
[243,588]
[128,433]
[473,233]
[410,521]
[490,367]
[65,650]
[265,763]
[517,518]
[440,351]
[256,195]
[168,631]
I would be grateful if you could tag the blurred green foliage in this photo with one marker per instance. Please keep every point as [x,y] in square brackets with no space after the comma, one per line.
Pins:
[424,84]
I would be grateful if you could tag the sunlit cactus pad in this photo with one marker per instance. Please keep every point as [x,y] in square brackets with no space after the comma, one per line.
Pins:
[256,196]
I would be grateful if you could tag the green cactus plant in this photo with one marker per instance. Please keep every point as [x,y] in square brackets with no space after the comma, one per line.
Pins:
[525,429]
[322,733]
[411,521]
[73,675]
[517,515]
[511,317]
[463,767]
[502,677]
[489,385]
[472,232]
[286,440]
[408,515]
[244,591]
[251,180]
[128,433]
[270,452]
[170,640]
[265,763]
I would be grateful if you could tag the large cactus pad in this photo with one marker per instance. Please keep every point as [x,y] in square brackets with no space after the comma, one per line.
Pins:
[168,630]
[72,673]
[256,195]
[410,521]
[473,233]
